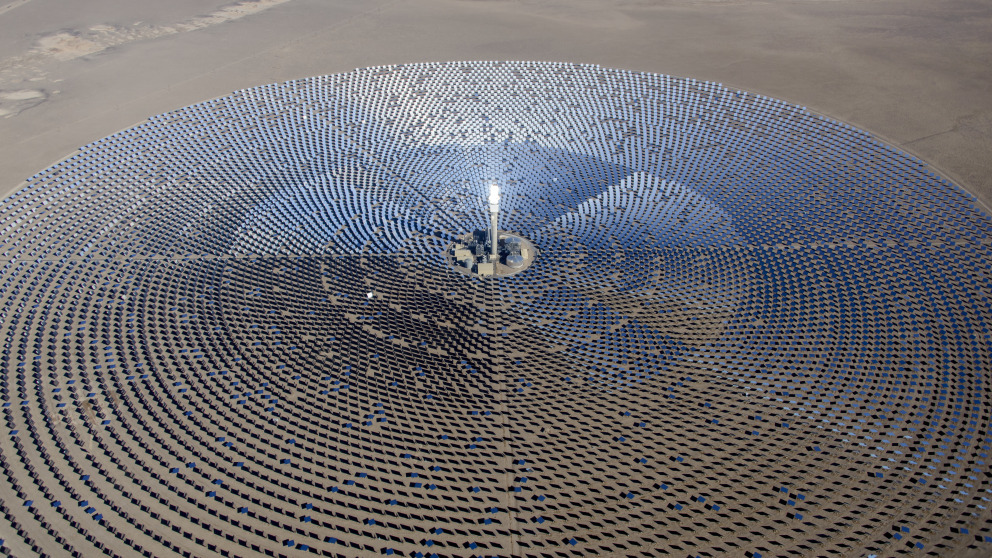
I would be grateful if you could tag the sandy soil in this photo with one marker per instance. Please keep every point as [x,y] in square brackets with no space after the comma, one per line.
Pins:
[915,72]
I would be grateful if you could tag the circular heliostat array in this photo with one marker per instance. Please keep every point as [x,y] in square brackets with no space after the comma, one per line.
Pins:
[752,331]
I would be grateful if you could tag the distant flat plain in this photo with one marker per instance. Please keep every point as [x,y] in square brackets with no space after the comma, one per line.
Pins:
[916,73]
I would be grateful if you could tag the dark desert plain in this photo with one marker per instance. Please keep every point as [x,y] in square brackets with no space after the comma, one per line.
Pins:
[916,73]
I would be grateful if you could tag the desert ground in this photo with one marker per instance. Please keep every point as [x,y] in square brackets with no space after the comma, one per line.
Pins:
[916,73]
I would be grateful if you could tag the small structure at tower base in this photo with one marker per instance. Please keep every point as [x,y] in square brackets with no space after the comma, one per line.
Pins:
[472,254]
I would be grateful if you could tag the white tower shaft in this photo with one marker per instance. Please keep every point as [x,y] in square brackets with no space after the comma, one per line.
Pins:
[493,217]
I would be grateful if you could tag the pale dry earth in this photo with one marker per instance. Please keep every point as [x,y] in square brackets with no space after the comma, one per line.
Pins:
[918,73]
